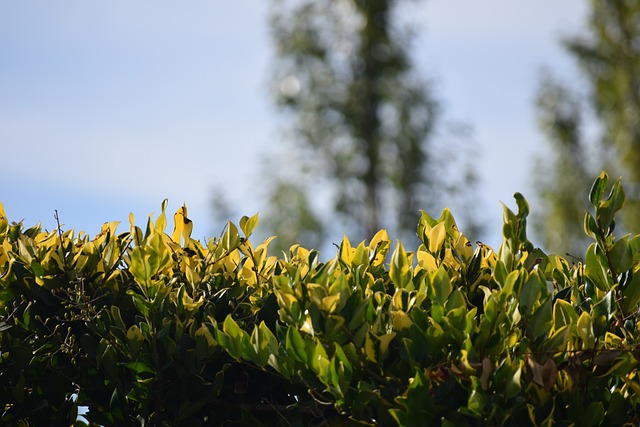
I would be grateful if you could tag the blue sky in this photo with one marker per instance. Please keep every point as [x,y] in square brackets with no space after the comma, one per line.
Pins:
[110,107]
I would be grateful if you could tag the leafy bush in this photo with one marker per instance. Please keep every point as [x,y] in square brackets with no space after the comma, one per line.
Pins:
[149,328]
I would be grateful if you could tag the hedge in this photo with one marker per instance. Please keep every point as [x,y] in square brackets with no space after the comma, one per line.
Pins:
[148,328]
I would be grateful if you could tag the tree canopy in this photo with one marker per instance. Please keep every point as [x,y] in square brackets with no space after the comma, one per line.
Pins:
[608,56]
[364,122]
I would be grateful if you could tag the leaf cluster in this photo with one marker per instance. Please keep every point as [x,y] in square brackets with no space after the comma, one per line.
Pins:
[150,328]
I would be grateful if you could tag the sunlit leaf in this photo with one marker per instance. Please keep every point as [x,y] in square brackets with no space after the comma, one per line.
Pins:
[248,224]
[436,237]
[400,270]
[584,328]
[597,190]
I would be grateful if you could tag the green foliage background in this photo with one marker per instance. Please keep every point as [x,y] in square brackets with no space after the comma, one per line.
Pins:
[367,143]
[149,328]
[592,125]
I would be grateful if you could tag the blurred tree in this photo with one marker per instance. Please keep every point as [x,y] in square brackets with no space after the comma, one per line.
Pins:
[609,58]
[364,123]
[564,185]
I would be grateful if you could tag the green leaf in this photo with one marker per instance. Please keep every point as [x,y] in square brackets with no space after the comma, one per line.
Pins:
[230,238]
[205,343]
[590,226]
[602,313]
[564,314]
[117,318]
[631,292]
[530,293]
[511,284]
[139,266]
[425,224]
[542,319]
[596,270]
[238,340]
[634,244]
[296,345]
[593,415]
[584,328]
[108,360]
[415,404]
[507,376]
[139,368]
[604,307]
[607,209]
[264,343]
[508,217]
[247,225]
[476,402]
[341,370]
[523,206]
[597,190]
[440,285]
[500,273]
[558,340]
[455,300]
[159,255]
[319,363]
[621,256]
[400,270]
[37,269]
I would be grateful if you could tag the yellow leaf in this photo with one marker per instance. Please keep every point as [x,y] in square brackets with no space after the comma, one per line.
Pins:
[307,326]
[584,328]
[192,276]
[464,362]
[330,303]
[134,334]
[247,272]
[631,383]
[401,320]
[206,336]
[346,251]
[248,224]
[385,340]
[189,303]
[23,251]
[381,236]
[449,258]
[186,230]
[426,261]
[161,222]
[5,248]
[436,237]
[301,253]
[261,251]
[285,300]
[369,349]
[178,224]
[107,228]
[317,293]
[489,257]
[361,255]
[464,247]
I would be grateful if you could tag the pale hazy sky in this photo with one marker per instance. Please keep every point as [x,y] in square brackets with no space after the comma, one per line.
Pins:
[108,107]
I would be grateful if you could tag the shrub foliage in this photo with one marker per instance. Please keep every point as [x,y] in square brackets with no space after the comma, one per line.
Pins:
[149,328]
